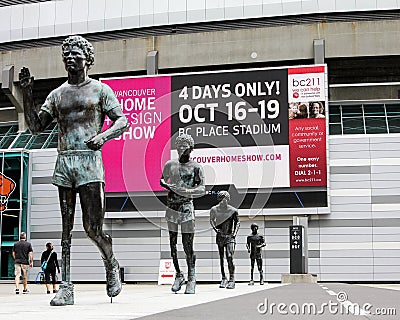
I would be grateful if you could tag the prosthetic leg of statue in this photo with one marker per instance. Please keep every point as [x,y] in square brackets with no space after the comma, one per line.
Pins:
[251,283]
[187,239]
[179,277]
[93,208]
[65,294]
[229,252]
[259,265]
[224,281]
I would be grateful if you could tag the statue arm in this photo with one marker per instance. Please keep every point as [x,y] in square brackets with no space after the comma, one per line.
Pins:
[199,189]
[213,220]
[119,126]
[236,223]
[248,244]
[164,181]
[37,122]
[164,184]
[262,242]
[182,189]
[168,186]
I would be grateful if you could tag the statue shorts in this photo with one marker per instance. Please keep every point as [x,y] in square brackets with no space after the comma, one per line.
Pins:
[77,168]
[223,240]
[256,255]
[179,212]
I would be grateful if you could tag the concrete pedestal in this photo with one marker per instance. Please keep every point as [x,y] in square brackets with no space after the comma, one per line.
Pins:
[299,278]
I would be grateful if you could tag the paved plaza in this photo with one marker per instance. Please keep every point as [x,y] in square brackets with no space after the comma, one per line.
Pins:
[149,301]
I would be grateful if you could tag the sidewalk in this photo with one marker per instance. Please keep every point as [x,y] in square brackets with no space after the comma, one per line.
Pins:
[92,302]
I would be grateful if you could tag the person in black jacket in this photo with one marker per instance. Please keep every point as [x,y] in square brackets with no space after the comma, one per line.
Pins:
[52,264]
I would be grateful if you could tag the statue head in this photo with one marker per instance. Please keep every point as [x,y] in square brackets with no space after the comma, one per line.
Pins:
[223,195]
[254,227]
[185,138]
[184,145]
[82,44]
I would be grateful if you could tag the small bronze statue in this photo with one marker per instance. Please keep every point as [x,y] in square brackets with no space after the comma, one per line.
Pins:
[224,219]
[79,106]
[184,179]
[255,243]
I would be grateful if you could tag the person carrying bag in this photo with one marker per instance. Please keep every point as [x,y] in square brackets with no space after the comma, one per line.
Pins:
[49,265]
[44,264]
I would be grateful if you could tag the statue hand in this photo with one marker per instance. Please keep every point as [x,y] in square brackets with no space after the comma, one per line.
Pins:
[164,184]
[178,189]
[169,186]
[95,143]
[25,79]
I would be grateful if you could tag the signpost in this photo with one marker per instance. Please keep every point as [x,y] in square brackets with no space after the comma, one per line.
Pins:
[297,258]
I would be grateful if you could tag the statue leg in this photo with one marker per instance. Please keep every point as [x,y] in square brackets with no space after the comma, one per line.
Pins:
[65,294]
[259,265]
[173,240]
[187,241]
[251,283]
[92,200]
[224,282]
[230,249]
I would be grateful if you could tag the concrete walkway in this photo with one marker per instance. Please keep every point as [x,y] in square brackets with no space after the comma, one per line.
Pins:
[91,301]
[158,302]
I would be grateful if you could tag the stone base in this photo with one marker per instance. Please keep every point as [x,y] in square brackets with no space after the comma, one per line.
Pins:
[299,278]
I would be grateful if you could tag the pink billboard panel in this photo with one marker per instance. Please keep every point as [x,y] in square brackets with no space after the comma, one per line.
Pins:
[134,160]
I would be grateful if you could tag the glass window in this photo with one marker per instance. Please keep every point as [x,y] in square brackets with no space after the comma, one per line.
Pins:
[375,125]
[393,109]
[6,141]
[374,110]
[52,142]
[376,117]
[394,124]
[334,114]
[352,110]
[335,128]
[22,140]
[7,135]
[13,217]
[37,141]
[8,129]
[353,125]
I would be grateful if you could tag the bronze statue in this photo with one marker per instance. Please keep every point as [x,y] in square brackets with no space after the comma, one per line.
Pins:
[79,106]
[255,243]
[224,220]
[184,179]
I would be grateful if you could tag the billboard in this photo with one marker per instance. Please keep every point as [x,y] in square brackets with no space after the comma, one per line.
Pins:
[260,133]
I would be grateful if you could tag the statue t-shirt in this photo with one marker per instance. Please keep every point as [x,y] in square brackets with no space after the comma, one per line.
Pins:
[80,111]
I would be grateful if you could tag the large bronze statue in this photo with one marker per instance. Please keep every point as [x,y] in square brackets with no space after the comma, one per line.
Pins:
[184,179]
[255,243]
[225,221]
[79,106]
